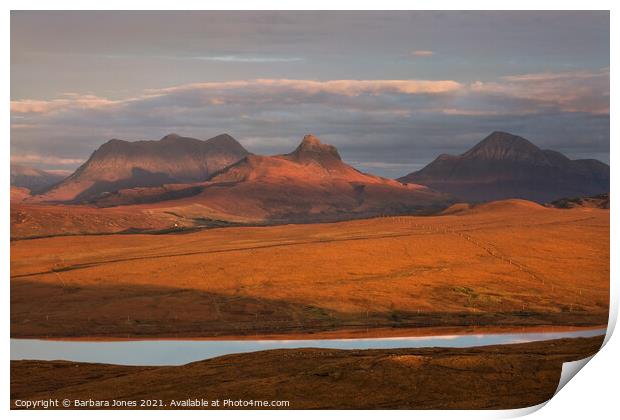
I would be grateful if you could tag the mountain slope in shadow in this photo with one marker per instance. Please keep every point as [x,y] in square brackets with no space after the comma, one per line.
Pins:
[504,166]
[120,164]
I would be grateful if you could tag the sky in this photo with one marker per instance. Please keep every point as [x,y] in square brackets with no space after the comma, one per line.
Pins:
[391,90]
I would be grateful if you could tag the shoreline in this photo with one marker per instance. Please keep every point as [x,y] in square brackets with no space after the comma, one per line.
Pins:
[344,334]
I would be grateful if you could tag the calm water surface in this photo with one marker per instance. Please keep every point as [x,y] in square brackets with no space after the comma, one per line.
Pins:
[178,352]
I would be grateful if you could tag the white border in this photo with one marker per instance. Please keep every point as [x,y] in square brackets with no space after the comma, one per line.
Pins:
[592,395]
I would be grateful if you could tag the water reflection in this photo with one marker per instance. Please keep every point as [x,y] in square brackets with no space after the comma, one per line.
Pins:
[178,352]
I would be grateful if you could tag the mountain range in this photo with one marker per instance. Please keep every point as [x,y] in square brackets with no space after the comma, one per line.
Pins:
[182,181]
[312,183]
[505,166]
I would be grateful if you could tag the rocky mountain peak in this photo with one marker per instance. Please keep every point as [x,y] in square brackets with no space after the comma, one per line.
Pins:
[500,145]
[312,148]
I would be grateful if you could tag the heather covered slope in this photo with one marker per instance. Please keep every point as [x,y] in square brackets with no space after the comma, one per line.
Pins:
[43,220]
[120,164]
[507,166]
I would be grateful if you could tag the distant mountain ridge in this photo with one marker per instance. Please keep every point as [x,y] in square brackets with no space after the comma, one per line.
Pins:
[311,183]
[35,180]
[218,179]
[505,166]
[184,183]
[120,164]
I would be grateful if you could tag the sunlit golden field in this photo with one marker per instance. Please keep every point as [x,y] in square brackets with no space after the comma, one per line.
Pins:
[504,263]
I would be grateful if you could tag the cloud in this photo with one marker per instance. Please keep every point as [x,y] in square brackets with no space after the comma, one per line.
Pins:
[422,53]
[334,87]
[63,172]
[576,91]
[260,90]
[579,91]
[246,59]
[45,160]
[69,100]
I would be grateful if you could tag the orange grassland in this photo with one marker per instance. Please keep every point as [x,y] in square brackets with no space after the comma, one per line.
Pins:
[511,263]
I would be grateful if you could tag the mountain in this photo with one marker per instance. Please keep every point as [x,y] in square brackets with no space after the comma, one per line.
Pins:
[505,166]
[34,179]
[310,184]
[120,164]
[312,162]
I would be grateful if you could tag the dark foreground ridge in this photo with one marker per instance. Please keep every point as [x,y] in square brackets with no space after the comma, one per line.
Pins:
[493,377]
